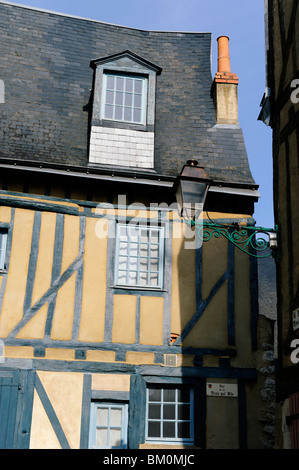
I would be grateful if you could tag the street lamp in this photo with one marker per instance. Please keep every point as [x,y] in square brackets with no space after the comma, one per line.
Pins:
[191,190]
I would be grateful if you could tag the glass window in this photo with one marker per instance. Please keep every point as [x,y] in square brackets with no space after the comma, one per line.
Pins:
[108,426]
[170,414]
[3,240]
[124,98]
[139,256]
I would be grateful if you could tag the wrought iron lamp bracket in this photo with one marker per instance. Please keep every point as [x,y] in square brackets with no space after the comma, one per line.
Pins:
[244,237]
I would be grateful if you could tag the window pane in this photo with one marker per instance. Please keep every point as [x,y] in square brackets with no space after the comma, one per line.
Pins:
[138,86]
[115,417]
[144,250]
[133,264]
[101,437]
[143,264]
[155,251]
[122,263]
[184,395]
[154,429]
[132,278]
[184,430]
[137,101]
[122,277]
[102,417]
[128,114]
[109,97]
[123,249]
[155,236]
[154,394]
[169,395]
[108,112]
[118,112]
[168,429]
[119,97]
[154,411]
[129,84]
[144,235]
[115,437]
[143,279]
[137,115]
[169,412]
[120,83]
[134,249]
[110,82]
[154,280]
[133,234]
[128,99]
[154,265]
[184,412]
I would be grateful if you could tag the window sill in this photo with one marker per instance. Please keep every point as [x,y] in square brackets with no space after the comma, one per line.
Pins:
[123,125]
[137,288]
[169,443]
[3,271]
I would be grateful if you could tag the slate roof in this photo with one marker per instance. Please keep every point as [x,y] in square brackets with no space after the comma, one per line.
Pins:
[45,65]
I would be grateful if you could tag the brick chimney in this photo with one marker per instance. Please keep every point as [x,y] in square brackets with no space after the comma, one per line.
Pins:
[225,86]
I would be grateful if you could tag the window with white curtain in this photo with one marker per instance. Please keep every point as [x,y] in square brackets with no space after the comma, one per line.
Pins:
[139,256]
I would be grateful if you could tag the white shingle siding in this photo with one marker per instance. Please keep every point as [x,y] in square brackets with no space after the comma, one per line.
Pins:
[121,147]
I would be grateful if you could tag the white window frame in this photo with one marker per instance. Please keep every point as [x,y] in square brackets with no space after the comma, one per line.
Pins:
[3,245]
[161,420]
[129,257]
[94,426]
[143,98]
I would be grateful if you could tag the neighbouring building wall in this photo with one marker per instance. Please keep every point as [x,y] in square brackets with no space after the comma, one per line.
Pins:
[280,110]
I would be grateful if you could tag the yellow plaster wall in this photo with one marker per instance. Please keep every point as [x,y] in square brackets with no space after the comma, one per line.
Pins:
[151,320]
[64,391]
[242,310]
[111,382]
[43,273]
[94,285]
[183,300]
[42,435]
[211,328]
[124,319]
[62,325]
[12,309]
[5,214]
[70,240]
[214,263]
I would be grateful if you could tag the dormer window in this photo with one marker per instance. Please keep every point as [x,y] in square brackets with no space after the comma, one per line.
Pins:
[124,98]
[123,113]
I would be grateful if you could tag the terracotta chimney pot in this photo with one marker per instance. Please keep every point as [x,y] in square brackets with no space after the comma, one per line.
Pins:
[223,54]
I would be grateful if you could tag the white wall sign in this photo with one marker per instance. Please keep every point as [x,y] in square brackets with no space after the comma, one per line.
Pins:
[295,317]
[222,390]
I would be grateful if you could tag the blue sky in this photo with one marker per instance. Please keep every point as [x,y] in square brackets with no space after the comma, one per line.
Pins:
[242,21]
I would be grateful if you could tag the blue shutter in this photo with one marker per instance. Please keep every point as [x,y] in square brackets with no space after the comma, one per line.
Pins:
[8,408]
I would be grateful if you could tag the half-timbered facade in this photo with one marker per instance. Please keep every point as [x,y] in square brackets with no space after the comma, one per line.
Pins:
[118,328]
